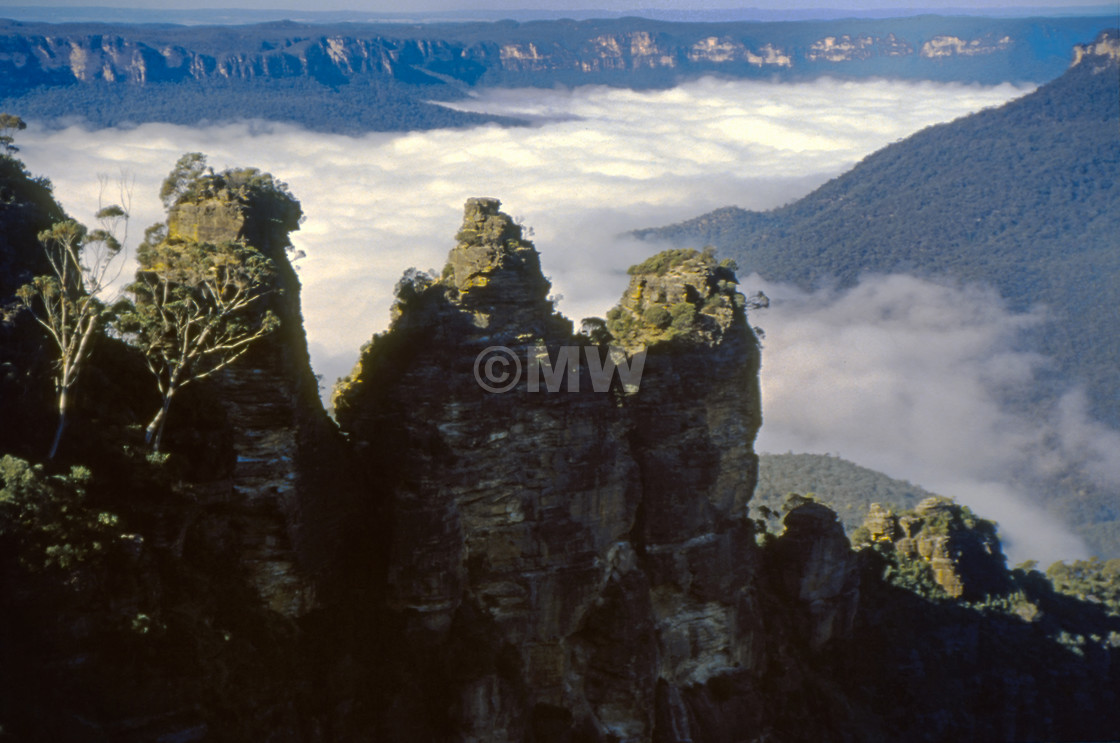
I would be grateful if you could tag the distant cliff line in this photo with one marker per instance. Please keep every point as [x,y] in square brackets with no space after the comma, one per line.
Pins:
[390,71]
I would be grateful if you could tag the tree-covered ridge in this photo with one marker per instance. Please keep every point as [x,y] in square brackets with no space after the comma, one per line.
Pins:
[843,486]
[1023,197]
[355,78]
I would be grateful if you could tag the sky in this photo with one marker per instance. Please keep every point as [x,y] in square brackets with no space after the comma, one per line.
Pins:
[899,374]
[903,6]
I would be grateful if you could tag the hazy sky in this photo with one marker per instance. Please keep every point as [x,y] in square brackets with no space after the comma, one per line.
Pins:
[615,5]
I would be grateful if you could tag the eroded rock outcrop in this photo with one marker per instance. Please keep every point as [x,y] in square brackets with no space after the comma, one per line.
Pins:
[587,551]
[1101,54]
[564,562]
[962,551]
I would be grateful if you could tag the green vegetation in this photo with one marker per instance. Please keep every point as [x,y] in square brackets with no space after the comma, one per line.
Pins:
[675,293]
[67,301]
[362,106]
[682,315]
[1093,580]
[843,486]
[657,316]
[911,574]
[47,518]
[196,310]
[192,180]
[1022,197]
[663,262]
[9,125]
[68,274]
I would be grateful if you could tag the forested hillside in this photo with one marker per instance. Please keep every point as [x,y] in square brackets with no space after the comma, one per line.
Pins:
[1023,197]
[843,486]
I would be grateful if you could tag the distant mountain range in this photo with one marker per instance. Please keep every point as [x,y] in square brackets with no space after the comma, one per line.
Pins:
[361,77]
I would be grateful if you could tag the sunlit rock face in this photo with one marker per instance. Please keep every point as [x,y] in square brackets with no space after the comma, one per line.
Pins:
[962,551]
[1099,55]
[567,558]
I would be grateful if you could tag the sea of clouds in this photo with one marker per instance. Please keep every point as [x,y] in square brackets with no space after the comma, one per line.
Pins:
[898,374]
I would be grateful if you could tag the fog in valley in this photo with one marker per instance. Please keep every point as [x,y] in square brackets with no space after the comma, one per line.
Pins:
[898,374]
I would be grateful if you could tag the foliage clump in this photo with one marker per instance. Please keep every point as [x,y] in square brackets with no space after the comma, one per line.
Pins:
[1093,580]
[197,309]
[68,300]
[47,517]
[909,572]
[667,260]
[675,294]
[192,180]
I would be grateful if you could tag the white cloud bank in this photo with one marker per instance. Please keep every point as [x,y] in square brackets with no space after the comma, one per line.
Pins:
[908,377]
[599,161]
[602,161]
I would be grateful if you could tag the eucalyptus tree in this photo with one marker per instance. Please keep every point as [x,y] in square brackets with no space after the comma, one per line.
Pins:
[197,308]
[69,300]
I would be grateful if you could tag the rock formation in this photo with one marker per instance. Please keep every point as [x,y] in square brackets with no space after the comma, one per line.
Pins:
[282,441]
[591,548]
[961,550]
[593,51]
[479,556]
[814,567]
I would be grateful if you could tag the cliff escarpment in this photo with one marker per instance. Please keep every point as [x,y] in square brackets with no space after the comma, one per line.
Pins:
[354,77]
[497,52]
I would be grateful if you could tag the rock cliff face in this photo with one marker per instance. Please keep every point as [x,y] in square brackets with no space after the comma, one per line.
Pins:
[281,438]
[1102,54]
[813,567]
[586,554]
[499,53]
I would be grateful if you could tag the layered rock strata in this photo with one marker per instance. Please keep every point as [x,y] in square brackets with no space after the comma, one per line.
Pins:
[574,559]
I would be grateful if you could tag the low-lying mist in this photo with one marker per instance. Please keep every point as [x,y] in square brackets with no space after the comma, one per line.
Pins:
[898,374]
[912,377]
